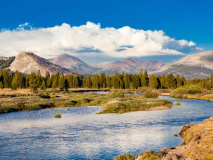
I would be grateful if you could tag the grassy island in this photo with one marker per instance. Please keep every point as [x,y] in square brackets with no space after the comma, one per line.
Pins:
[114,102]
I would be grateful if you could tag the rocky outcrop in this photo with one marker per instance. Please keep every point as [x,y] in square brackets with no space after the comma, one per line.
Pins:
[197,144]
[198,65]
[27,62]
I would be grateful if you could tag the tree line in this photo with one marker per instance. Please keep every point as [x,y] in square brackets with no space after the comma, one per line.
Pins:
[116,81]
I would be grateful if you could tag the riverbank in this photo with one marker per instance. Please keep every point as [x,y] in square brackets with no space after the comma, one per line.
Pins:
[197,144]
[24,100]
[192,92]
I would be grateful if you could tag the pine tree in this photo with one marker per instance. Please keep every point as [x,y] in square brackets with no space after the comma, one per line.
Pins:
[1,85]
[102,80]
[159,81]
[127,81]
[95,81]
[153,83]
[49,84]
[43,85]
[6,79]
[55,83]
[163,82]
[33,82]
[61,82]
[170,81]
[108,81]
[178,81]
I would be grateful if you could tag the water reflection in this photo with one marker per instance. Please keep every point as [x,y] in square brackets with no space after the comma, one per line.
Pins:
[82,134]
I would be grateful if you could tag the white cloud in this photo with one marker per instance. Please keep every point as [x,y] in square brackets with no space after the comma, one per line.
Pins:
[90,40]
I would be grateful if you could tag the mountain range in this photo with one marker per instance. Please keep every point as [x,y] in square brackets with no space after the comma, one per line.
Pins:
[130,65]
[198,65]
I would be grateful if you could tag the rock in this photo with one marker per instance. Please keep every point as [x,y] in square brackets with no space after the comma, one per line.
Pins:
[27,62]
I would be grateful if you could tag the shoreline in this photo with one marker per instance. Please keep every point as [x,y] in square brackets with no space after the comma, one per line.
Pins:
[197,143]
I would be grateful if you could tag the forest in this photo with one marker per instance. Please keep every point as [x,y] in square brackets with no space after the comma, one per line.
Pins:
[116,81]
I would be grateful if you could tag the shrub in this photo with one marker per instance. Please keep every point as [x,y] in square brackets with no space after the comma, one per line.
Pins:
[195,89]
[44,95]
[150,94]
[57,115]
[150,155]
[125,157]
[115,94]
[175,134]
[177,103]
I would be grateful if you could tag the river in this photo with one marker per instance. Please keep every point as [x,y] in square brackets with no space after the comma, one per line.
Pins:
[82,134]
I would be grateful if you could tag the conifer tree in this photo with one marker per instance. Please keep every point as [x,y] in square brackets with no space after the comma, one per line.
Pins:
[178,81]
[108,81]
[95,81]
[49,83]
[170,81]
[102,80]
[7,79]
[61,82]
[33,82]
[153,83]
[163,82]
[1,85]
[55,83]
[43,85]
[127,81]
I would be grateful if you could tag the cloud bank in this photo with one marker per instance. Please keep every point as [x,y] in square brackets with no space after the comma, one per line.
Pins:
[91,40]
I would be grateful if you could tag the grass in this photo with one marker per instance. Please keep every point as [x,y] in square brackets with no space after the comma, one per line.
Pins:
[125,157]
[191,92]
[57,115]
[177,103]
[59,99]
[133,103]
[175,134]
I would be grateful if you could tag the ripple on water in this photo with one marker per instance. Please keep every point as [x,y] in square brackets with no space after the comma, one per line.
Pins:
[82,134]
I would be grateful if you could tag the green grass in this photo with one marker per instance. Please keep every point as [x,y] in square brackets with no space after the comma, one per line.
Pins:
[125,157]
[61,99]
[177,103]
[133,103]
[57,115]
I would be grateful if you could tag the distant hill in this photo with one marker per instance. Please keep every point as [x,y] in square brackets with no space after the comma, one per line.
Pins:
[5,62]
[73,64]
[198,65]
[130,65]
[27,62]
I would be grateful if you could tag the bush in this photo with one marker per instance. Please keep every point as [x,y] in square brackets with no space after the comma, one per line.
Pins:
[115,94]
[125,157]
[182,91]
[177,103]
[44,95]
[150,155]
[195,89]
[175,134]
[150,94]
[57,115]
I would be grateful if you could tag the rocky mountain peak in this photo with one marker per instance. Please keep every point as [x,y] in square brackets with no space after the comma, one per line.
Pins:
[27,62]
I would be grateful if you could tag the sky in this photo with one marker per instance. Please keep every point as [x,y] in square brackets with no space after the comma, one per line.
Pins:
[100,30]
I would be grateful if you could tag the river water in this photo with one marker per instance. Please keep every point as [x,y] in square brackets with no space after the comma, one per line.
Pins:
[82,134]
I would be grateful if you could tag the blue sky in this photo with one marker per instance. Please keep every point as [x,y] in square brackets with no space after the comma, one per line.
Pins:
[190,20]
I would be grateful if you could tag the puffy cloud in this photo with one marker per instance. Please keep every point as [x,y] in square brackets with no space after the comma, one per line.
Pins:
[90,40]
